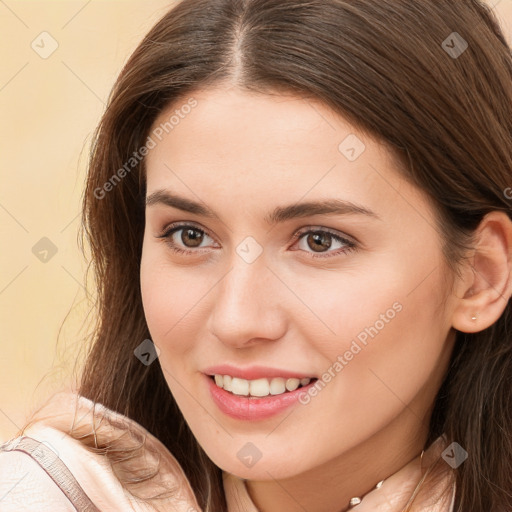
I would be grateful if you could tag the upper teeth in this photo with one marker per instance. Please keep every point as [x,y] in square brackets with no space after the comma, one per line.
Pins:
[259,387]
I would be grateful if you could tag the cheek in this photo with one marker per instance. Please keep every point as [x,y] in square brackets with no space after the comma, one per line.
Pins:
[173,299]
[393,352]
[165,298]
[389,338]
[350,305]
[160,293]
[168,298]
[160,289]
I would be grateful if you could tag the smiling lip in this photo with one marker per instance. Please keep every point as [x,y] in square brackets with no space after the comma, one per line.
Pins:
[254,372]
[250,408]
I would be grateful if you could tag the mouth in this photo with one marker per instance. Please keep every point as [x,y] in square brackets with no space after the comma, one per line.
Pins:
[262,387]
[257,399]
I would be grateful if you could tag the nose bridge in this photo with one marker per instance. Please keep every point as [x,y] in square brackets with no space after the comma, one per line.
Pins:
[246,303]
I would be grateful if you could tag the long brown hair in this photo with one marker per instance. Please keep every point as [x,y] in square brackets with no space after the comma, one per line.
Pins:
[395,70]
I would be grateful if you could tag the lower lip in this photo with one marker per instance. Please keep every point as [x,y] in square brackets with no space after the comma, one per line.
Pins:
[246,408]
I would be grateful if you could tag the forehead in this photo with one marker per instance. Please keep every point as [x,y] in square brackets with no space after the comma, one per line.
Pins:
[277,148]
[229,124]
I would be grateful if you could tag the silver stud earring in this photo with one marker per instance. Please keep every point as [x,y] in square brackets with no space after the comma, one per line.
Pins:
[473,317]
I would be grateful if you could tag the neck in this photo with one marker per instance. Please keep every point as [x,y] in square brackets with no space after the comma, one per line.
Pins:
[329,487]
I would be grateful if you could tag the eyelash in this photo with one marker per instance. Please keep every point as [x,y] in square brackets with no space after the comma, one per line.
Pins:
[174,228]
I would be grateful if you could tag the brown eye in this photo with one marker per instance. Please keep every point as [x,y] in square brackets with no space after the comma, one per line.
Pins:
[191,237]
[319,241]
[324,243]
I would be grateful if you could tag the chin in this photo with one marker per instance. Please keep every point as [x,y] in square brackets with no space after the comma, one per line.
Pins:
[249,463]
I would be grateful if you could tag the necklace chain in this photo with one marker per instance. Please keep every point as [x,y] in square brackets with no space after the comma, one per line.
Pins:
[357,500]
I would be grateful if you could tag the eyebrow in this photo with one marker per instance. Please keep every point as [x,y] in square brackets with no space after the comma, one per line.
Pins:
[278,215]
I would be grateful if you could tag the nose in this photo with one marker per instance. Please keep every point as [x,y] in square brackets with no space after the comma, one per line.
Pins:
[248,305]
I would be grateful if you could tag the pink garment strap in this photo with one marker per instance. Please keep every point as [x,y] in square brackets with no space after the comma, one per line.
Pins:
[55,468]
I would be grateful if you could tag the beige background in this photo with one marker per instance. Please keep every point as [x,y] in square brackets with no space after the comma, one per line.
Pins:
[49,108]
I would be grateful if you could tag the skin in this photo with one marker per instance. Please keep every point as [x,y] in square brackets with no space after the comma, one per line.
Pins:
[243,155]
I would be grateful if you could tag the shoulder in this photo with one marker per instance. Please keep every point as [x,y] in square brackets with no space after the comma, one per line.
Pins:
[106,452]
[24,486]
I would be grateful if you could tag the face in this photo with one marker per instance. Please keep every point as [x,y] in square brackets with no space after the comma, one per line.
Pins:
[281,244]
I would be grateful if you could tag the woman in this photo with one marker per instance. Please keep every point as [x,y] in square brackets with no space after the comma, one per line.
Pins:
[300,222]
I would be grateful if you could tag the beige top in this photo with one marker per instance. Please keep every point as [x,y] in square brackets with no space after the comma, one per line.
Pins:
[45,458]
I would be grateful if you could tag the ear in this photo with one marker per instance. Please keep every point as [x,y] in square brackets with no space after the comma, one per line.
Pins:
[485,285]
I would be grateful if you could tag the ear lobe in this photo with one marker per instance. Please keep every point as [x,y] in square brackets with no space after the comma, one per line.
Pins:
[486,283]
